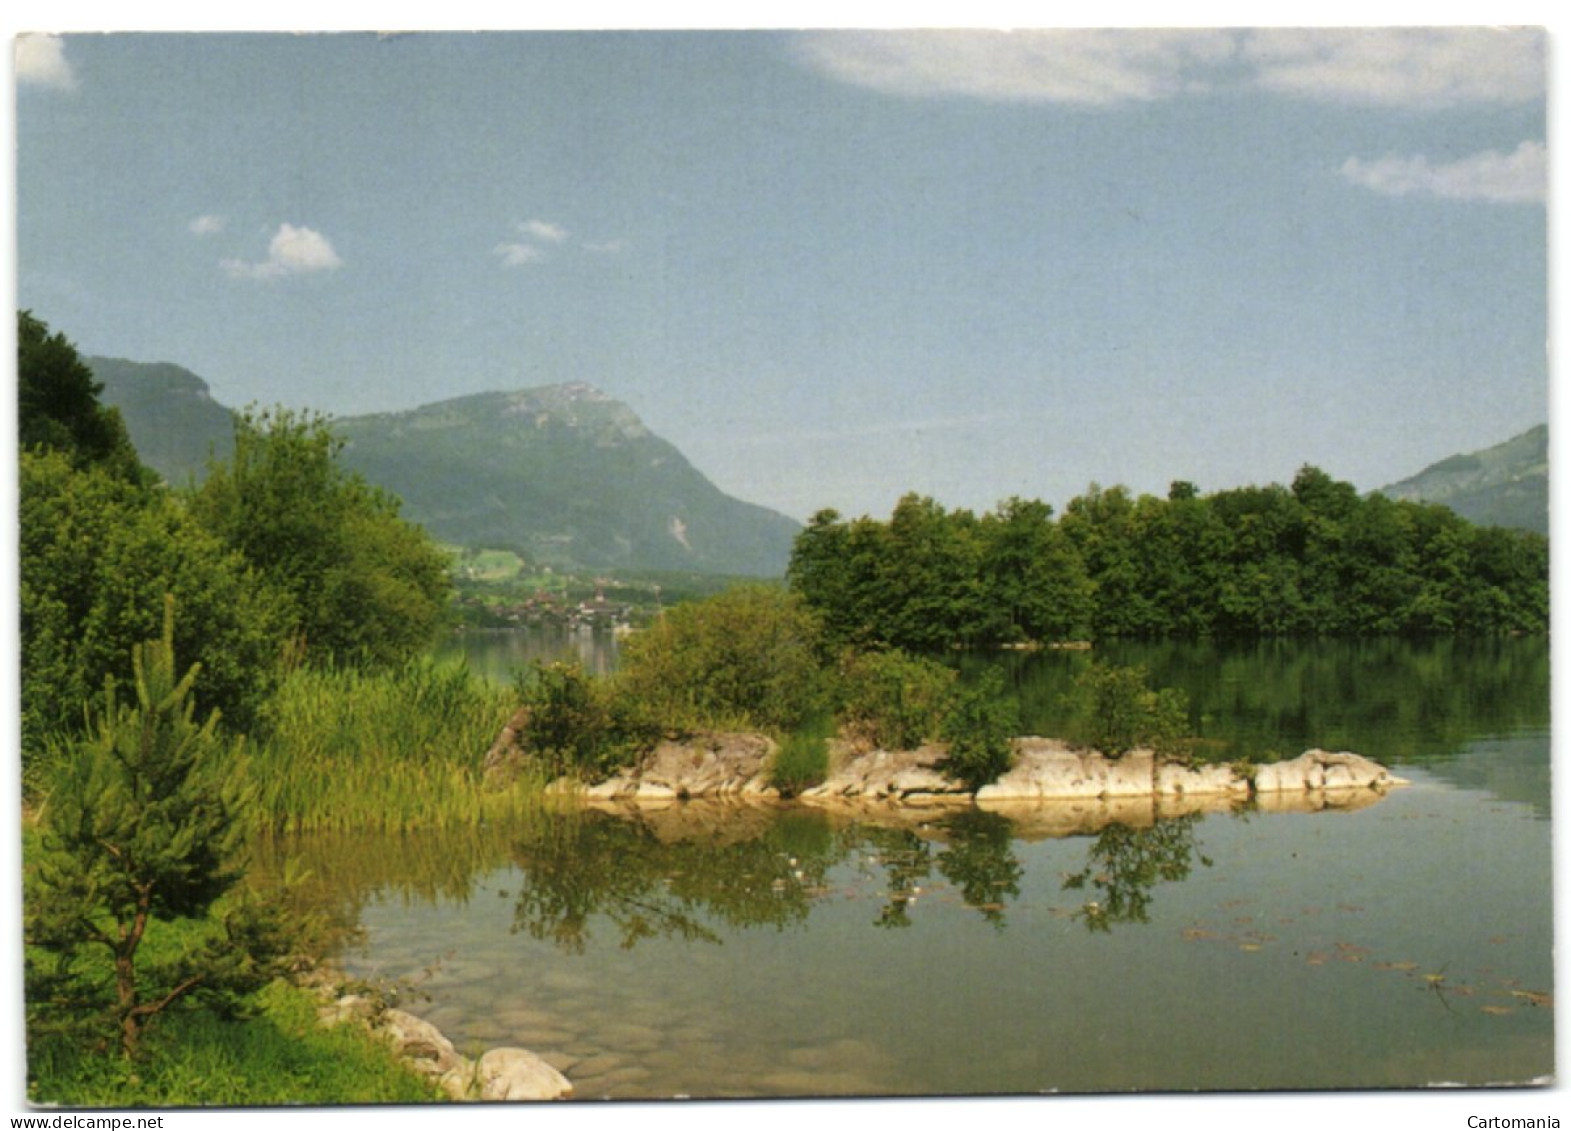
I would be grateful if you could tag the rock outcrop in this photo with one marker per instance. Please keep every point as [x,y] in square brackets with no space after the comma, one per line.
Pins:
[911,776]
[712,764]
[1317,770]
[725,765]
[507,754]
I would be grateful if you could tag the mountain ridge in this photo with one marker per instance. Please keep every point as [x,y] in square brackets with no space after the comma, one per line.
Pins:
[565,474]
[1503,485]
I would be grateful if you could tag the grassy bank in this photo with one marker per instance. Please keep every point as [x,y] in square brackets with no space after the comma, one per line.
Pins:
[197,1059]
[389,750]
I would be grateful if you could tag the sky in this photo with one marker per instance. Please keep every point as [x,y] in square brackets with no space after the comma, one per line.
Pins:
[831,267]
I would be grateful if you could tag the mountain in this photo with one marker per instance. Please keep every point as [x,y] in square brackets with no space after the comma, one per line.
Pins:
[170,413]
[566,474]
[563,473]
[1506,485]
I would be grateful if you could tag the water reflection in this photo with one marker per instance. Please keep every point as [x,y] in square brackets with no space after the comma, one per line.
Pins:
[1124,866]
[576,867]
[1395,700]
[692,870]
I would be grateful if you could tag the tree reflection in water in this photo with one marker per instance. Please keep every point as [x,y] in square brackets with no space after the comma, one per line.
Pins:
[595,863]
[648,883]
[1125,864]
[690,871]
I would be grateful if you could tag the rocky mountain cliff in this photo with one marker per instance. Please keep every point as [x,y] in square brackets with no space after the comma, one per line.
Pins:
[564,474]
[1506,485]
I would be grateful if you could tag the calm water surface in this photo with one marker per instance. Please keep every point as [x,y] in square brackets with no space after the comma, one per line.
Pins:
[708,950]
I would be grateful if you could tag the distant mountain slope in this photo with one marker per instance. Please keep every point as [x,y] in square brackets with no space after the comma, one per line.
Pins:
[170,413]
[1506,485]
[563,473]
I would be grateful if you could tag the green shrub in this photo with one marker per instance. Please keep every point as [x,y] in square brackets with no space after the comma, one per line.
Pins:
[577,724]
[745,659]
[980,729]
[892,700]
[1116,711]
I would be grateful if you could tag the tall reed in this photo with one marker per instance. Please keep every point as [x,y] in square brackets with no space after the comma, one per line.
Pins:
[390,750]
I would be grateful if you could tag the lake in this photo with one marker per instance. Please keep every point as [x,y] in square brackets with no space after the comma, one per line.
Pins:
[781,950]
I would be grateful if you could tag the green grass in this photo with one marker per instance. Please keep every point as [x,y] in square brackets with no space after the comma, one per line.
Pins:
[196,1059]
[803,759]
[390,750]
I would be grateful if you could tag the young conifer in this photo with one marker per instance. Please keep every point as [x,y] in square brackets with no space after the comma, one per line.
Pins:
[141,826]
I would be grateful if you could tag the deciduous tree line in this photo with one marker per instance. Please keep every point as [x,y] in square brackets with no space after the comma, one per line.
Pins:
[1312,559]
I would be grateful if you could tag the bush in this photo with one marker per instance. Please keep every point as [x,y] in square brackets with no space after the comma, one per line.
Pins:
[745,659]
[577,725]
[980,729]
[1117,711]
[891,700]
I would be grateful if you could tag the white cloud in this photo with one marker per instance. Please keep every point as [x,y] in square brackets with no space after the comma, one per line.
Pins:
[41,61]
[206,225]
[1516,178]
[539,235]
[544,231]
[1093,67]
[1418,67]
[518,254]
[293,251]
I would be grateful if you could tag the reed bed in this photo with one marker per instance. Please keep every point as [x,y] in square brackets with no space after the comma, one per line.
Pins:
[391,750]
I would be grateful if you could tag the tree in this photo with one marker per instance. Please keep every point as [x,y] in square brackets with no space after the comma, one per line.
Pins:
[143,823]
[57,403]
[97,554]
[359,584]
[1033,577]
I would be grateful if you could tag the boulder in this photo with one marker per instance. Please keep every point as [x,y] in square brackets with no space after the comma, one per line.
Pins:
[708,764]
[890,775]
[506,756]
[1048,768]
[517,1074]
[420,1043]
[1316,770]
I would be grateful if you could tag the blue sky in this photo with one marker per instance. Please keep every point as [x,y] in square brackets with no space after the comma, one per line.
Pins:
[832,267]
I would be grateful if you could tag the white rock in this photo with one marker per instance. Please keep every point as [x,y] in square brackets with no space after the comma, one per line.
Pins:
[420,1042]
[517,1074]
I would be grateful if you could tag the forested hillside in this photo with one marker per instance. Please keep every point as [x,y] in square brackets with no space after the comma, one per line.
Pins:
[1506,485]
